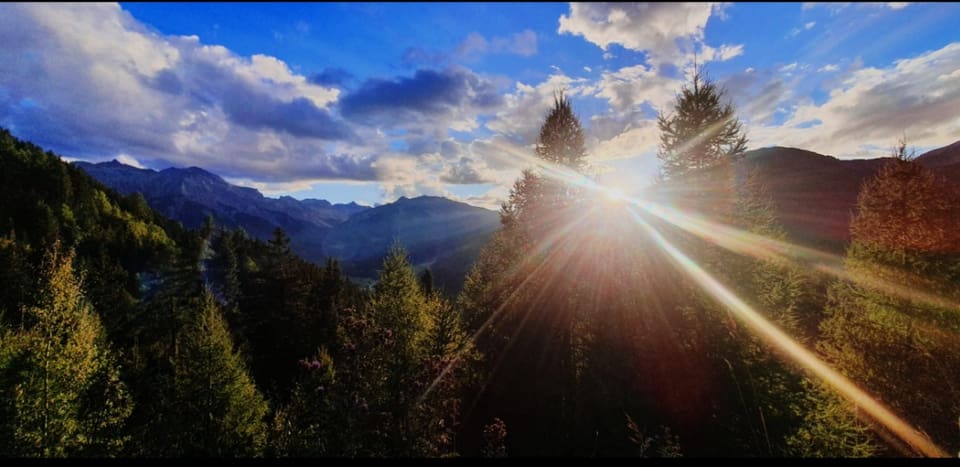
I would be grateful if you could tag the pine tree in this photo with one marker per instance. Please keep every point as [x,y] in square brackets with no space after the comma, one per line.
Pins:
[703,133]
[530,313]
[62,393]
[399,308]
[561,136]
[221,411]
[904,233]
[390,351]
[830,427]
[538,200]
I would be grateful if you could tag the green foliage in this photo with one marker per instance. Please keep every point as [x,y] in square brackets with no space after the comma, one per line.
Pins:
[561,136]
[222,411]
[307,427]
[62,393]
[830,428]
[903,239]
[702,133]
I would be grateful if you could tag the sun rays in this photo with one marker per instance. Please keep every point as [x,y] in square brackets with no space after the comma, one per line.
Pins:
[797,353]
[560,249]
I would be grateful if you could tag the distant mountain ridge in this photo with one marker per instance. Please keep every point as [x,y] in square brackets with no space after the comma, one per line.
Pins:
[440,233]
[437,232]
[816,195]
[211,191]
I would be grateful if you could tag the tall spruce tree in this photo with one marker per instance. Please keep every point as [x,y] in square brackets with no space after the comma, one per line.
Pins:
[221,411]
[561,136]
[537,197]
[702,133]
[400,309]
[523,294]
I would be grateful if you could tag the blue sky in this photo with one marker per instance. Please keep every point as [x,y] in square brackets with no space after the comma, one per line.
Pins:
[369,102]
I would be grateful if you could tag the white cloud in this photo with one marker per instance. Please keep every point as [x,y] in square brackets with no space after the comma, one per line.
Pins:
[273,189]
[757,94]
[806,27]
[525,108]
[657,28]
[128,160]
[639,139]
[631,86]
[834,7]
[404,176]
[722,54]
[829,68]
[105,84]
[897,5]
[871,107]
[475,43]
[490,200]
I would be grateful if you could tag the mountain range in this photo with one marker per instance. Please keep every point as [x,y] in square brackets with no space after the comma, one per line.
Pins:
[815,196]
[439,233]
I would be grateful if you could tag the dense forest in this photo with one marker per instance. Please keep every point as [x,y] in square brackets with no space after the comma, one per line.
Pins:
[584,328]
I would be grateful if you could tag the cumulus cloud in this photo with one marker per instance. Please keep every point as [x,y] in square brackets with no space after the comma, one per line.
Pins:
[631,86]
[640,138]
[428,97]
[723,53]
[523,110]
[871,107]
[465,171]
[660,29]
[404,176]
[90,81]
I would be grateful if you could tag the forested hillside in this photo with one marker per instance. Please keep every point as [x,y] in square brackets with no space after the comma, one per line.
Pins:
[686,323]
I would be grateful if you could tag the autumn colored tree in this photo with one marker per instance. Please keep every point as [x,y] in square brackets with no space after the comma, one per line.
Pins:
[62,392]
[904,238]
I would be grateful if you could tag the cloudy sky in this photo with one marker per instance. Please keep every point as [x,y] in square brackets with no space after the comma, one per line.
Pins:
[370,102]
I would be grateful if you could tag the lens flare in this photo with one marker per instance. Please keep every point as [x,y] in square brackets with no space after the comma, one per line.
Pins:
[765,248]
[614,195]
[797,353]
[759,247]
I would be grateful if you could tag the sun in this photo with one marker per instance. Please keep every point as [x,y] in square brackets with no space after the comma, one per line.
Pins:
[614,195]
